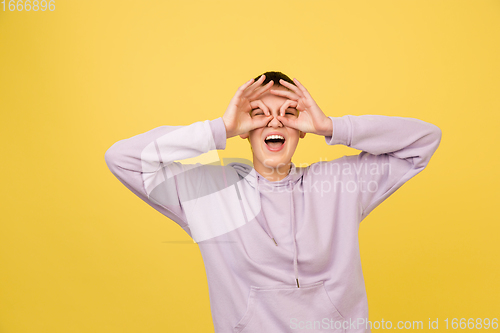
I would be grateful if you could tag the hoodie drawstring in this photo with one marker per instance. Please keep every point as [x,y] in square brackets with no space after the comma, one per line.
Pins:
[292,222]
[266,225]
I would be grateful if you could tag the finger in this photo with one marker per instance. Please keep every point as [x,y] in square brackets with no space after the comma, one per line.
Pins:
[261,121]
[241,89]
[288,94]
[292,123]
[245,85]
[291,87]
[288,103]
[258,82]
[259,104]
[259,91]
[256,89]
[301,87]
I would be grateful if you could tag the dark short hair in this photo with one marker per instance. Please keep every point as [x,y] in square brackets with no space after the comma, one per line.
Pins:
[275,76]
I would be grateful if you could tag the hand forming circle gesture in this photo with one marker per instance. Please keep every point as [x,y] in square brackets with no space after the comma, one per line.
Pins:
[237,117]
[311,119]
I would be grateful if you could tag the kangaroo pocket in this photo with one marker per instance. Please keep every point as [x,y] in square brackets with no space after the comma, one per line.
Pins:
[290,309]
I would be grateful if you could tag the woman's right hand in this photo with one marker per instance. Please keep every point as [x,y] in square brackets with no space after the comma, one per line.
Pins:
[237,117]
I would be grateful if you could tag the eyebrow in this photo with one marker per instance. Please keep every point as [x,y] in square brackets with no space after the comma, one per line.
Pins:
[295,109]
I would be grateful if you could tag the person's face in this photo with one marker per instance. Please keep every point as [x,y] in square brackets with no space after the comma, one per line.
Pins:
[267,153]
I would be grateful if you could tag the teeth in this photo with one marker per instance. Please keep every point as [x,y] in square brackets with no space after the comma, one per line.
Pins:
[274,136]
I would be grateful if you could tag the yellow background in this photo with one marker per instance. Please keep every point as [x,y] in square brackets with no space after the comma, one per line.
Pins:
[80,253]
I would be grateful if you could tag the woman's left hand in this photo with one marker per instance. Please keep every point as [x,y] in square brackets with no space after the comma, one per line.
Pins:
[311,119]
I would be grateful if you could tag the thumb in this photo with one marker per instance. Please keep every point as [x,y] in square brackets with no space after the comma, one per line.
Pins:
[287,122]
[262,121]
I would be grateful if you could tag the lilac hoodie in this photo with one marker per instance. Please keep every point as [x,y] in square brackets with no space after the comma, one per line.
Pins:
[280,256]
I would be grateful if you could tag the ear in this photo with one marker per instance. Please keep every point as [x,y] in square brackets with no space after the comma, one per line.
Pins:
[302,134]
[244,135]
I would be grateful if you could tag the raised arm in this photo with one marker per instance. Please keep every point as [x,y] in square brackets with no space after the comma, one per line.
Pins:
[394,149]
[149,164]
[145,161]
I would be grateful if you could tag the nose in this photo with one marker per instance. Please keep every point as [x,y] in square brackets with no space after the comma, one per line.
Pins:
[275,122]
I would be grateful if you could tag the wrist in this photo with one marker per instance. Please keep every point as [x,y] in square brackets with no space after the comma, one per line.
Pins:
[327,129]
[229,134]
[218,132]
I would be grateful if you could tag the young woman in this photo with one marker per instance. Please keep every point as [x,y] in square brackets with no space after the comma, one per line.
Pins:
[279,242]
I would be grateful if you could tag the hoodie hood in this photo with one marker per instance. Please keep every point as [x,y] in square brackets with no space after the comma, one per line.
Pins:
[255,180]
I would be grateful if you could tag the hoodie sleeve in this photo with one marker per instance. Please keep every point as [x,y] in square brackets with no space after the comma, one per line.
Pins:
[144,162]
[393,150]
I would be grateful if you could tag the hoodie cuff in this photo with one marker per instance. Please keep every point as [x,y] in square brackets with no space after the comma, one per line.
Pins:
[341,133]
[218,132]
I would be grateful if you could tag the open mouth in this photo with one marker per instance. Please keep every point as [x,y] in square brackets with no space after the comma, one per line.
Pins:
[275,142]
